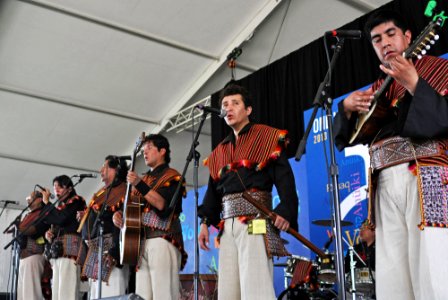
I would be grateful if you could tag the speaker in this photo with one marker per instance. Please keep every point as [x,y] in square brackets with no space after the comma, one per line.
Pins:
[125,297]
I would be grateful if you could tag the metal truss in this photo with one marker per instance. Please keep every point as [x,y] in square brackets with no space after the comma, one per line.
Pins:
[183,118]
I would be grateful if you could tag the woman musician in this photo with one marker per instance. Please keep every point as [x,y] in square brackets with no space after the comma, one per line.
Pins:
[65,241]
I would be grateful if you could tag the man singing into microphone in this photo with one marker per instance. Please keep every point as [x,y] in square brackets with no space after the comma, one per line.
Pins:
[32,262]
[409,163]
[251,159]
[65,240]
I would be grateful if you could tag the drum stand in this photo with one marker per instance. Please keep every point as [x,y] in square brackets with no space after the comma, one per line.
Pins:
[352,267]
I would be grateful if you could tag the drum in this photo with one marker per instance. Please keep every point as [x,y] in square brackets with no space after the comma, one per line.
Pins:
[363,281]
[299,268]
[300,293]
[326,273]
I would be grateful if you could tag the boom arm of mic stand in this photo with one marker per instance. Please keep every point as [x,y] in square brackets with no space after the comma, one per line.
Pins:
[318,100]
[19,216]
[190,156]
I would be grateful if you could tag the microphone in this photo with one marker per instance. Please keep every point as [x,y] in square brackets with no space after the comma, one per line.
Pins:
[208,109]
[85,176]
[349,34]
[43,189]
[10,202]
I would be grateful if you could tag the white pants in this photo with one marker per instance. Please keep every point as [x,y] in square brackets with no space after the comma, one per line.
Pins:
[30,275]
[245,271]
[410,263]
[66,277]
[158,275]
[118,283]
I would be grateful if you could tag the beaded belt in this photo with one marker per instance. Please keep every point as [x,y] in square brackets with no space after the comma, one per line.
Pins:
[396,150]
[234,205]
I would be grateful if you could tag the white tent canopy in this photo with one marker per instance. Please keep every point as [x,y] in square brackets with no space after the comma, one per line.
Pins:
[81,79]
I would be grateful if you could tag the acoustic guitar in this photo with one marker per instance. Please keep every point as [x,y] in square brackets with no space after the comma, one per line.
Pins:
[370,123]
[130,232]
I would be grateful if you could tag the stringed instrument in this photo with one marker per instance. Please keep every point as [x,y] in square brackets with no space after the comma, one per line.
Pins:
[370,123]
[130,232]
[273,216]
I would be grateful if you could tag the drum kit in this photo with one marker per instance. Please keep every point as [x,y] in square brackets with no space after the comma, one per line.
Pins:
[307,279]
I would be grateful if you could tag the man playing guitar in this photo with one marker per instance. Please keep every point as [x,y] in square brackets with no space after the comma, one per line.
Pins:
[162,254]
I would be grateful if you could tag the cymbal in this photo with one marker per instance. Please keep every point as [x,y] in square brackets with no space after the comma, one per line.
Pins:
[330,223]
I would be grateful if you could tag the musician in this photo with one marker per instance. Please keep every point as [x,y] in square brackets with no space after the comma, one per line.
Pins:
[408,155]
[32,262]
[162,254]
[365,248]
[113,175]
[64,238]
[252,159]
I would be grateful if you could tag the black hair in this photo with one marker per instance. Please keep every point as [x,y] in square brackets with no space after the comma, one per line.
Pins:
[114,162]
[63,181]
[235,89]
[160,142]
[383,16]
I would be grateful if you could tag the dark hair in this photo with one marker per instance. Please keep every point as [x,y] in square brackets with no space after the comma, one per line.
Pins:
[234,89]
[114,162]
[160,142]
[63,181]
[383,16]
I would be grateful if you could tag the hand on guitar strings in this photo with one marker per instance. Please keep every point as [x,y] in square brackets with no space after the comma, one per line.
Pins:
[403,71]
[358,101]
[117,219]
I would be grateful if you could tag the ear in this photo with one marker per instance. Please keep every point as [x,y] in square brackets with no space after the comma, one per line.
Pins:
[408,36]
[162,151]
[248,110]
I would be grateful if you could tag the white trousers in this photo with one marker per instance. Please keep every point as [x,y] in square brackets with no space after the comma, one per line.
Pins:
[410,263]
[158,275]
[66,277]
[118,283]
[245,271]
[30,274]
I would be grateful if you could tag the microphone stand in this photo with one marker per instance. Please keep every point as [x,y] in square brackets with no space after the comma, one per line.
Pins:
[42,216]
[19,217]
[3,209]
[100,223]
[323,99]
[193,154]
[14,265]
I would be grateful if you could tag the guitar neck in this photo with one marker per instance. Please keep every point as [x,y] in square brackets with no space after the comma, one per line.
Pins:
[128,187]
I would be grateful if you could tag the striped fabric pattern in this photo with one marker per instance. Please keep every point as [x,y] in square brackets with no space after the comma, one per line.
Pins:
[432,69]
[253,150]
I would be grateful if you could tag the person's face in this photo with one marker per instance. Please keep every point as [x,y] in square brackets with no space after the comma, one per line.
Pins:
[36,203]
[107,173]
[153,156]
[388,41]
[366,234]
[237,113]
[59,190]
